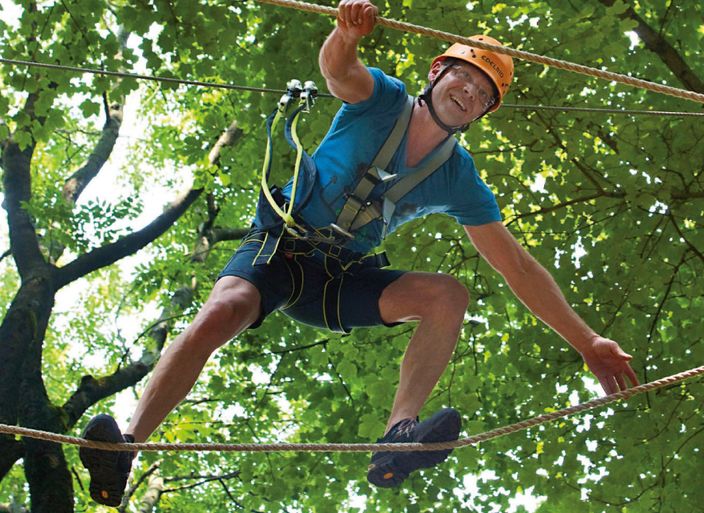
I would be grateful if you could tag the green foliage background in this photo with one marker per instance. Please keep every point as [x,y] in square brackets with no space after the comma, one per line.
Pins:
[611,204]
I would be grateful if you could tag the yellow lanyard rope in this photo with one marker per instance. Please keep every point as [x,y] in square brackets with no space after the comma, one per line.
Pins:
[286,216]
[306,101]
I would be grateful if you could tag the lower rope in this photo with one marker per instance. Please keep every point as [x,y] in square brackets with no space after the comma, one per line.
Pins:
[401,447]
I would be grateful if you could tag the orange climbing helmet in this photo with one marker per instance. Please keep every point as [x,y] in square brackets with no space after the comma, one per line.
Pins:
[498,67]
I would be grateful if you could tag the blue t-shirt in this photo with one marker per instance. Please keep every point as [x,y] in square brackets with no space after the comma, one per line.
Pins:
[353,140]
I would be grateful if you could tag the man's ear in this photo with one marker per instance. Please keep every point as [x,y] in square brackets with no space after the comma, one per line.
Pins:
[435,70]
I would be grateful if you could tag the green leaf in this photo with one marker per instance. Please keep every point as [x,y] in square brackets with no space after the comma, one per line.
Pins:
[23,139]
[370,427]
[90,108]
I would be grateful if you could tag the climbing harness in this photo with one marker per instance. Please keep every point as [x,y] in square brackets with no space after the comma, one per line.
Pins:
[280,229]
[359,209]
[276,215]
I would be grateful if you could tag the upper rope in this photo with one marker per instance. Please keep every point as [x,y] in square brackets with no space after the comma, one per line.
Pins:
[235,87]
[341,447]
[526,56]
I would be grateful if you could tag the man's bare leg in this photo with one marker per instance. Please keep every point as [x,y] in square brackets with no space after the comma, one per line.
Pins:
[439,302]
[233,305]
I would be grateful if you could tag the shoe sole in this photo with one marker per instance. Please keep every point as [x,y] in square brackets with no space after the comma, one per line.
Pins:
[392,468]
[107,484]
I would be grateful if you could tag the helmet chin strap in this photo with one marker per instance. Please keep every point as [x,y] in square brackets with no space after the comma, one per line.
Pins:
[426,96]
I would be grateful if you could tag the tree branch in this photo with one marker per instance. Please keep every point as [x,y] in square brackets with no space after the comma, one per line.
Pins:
[691,246]
[107,255]
[686,195]
[77,182]
[10,451]
[133,487]
[586,171]
[202,480]
[229,137]
[552,208]
[91,390]
[128,245]
[207,235]
[24,243]
[155,489]
[208,238]
[223,234]
[323,343]
[656,43]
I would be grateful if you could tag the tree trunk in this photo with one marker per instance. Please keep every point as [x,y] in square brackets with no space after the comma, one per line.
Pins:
[150,499]
[21,335]
[24,401]
[23,397]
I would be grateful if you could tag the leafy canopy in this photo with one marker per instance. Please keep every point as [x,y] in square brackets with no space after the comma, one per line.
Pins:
[612,205]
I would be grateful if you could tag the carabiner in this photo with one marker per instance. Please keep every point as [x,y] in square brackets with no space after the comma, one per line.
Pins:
[293,91]
[309,94]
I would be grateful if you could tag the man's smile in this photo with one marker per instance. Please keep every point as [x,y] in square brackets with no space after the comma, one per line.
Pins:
[458,102]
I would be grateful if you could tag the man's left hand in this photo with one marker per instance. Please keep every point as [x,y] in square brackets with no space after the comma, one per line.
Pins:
[609,363]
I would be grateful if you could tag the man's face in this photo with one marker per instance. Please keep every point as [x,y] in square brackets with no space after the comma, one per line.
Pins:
[463,93]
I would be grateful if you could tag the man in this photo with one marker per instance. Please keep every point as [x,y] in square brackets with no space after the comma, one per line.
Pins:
[465,84]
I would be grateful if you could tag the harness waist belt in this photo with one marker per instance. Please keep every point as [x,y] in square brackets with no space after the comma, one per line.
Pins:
[343,255]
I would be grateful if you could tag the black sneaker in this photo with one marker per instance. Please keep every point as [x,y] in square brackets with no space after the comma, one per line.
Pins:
[109,470]
[389,469]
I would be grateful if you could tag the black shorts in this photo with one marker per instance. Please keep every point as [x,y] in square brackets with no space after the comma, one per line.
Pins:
[312,286]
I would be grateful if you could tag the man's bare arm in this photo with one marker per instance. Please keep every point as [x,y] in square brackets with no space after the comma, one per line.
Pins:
[346,76]
[536,288]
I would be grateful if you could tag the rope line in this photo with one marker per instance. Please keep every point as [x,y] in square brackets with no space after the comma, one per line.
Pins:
[519,54]
[602,110]
[137,76]
[220,85]
[360,447]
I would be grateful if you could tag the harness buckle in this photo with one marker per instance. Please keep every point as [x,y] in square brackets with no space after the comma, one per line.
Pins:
[334,250]
[289,245]
[293,232]
[373,180]
[384,176]
[341,231]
